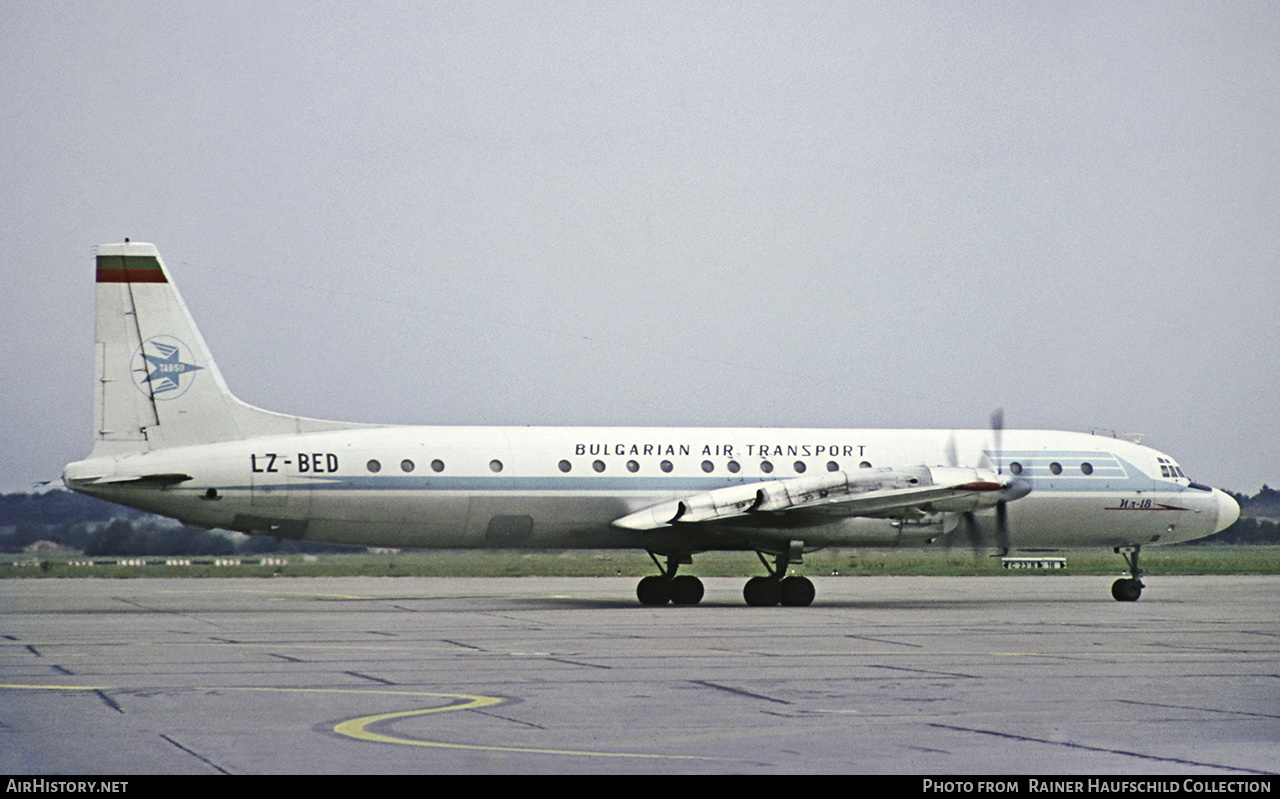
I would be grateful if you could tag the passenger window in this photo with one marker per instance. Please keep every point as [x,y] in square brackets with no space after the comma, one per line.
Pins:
[1055,467]
[1015,467]
[799,467]
[766,467]
[832,466]
[708,467]
[734,466]
[1087,468]
[632,466]
[495,465]
[373,466]
[437,465]
[665,466]
[598,465]
[406,465]
[565,466]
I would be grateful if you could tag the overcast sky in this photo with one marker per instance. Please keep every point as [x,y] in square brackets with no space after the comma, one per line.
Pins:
[644,213]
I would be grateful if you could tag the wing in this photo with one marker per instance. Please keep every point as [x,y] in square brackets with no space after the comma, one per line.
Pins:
[884,493]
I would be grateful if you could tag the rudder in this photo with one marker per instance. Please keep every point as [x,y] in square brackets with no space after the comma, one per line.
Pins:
[157,385]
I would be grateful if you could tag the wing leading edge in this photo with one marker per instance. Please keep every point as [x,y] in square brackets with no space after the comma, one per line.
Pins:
[884,493]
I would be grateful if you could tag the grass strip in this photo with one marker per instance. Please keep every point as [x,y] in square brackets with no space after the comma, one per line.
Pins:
[1225,559]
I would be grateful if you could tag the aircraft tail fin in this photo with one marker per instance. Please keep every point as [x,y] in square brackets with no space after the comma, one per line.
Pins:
[157,385]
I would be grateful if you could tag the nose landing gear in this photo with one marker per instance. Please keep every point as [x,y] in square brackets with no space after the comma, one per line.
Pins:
[1128,589]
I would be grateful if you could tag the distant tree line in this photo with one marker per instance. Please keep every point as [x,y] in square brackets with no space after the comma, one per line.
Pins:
[98,528]
[1265,503]
[1247,530]
[1259,521]
[123,537]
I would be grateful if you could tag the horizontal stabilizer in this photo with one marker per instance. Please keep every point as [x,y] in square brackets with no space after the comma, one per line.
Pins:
[166,479]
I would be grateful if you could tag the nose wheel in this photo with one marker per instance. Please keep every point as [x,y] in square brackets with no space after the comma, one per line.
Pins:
[1128,589]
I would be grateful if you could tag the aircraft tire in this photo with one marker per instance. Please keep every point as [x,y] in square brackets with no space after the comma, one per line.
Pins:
[654,590]
[796,592]
[1126,589]
[686,590]
[761,592]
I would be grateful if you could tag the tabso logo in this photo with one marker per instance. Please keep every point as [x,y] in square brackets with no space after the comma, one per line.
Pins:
[162,367]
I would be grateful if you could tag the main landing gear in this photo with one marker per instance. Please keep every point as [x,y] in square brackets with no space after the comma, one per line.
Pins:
[778,588]
[659,589]
[1128,589]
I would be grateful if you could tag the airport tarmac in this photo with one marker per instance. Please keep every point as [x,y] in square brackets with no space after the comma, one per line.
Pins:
[1030,675]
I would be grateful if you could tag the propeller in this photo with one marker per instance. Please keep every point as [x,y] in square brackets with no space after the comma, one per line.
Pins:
[1013,489]
[1002,507]
[997,437]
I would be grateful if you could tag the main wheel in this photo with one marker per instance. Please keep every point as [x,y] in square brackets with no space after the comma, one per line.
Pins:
[1126,589]
[654,590]
[686,590]
[761,592]
[797,592]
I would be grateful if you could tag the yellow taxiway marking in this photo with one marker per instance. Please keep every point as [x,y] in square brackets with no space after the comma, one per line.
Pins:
[357,728]
[57,687]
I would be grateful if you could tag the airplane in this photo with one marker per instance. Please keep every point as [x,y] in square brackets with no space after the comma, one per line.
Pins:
[171,439]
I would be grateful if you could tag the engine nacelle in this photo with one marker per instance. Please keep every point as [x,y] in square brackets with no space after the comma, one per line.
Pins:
[721,503]
[835,487]
[982,488]
[771,495]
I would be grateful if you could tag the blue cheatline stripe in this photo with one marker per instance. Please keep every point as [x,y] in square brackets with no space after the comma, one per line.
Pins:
[1116,474]
[1015,454]
[514,483]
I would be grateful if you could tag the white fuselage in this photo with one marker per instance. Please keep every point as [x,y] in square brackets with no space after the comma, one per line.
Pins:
[564,487]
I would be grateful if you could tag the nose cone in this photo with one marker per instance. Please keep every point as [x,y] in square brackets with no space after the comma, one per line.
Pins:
[1228,510]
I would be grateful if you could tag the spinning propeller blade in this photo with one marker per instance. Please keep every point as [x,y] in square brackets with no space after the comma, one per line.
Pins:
[1014,489]
[1002,507]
